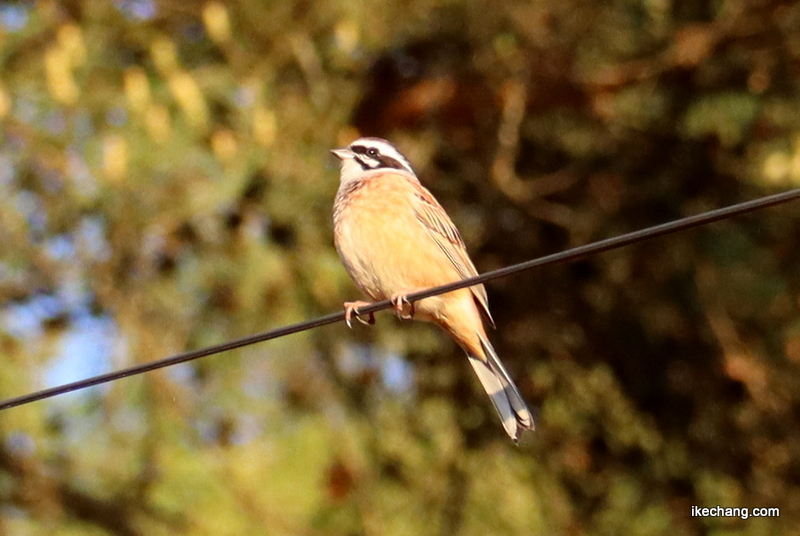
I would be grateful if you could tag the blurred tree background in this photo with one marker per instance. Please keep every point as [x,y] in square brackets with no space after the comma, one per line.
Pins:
[165,184]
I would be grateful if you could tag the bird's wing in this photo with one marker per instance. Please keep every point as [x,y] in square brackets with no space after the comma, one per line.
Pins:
[438,224]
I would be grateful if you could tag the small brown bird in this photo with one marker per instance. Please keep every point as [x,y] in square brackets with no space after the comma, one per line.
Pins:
[394,239]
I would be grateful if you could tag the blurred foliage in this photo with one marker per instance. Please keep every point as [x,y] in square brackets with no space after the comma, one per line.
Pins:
[165,185]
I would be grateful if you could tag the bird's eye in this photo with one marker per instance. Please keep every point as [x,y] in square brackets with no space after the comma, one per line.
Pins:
[373,152]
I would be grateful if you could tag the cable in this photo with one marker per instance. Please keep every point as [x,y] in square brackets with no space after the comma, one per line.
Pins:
[569,255]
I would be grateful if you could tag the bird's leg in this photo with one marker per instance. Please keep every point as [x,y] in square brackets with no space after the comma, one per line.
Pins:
[351,307]
[400,301]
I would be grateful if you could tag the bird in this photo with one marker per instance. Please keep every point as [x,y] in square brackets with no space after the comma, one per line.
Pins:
[394,238]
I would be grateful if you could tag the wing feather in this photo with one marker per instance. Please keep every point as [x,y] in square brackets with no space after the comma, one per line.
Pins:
[438,224]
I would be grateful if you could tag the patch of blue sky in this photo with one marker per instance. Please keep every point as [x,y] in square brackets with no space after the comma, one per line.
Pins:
[91,234]
[7,174]
[60,248]
[248,428]
[83,180]
[20,444]
[182,373]
[14,16]
[356,359]
[262,384]
[137,9]
[244,96]
[397,374]
[24,320]
[50,179]
[73,294]
[85,351]
[29,205]
[55,122]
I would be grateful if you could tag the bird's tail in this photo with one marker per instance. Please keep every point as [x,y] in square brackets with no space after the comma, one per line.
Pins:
[494,378]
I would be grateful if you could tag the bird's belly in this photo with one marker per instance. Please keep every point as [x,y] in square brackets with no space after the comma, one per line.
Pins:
[388,252]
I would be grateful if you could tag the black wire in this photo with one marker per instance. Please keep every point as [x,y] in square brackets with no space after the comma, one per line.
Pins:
[570,255]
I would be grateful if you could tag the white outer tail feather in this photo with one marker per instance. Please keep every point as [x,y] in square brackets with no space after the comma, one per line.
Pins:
[494,378]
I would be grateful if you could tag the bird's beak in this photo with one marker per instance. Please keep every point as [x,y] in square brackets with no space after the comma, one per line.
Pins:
[342,154]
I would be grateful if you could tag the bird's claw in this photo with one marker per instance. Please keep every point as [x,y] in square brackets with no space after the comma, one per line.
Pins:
[351,308]
[399,302]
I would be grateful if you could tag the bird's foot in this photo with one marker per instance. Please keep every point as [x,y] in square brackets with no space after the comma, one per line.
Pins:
[402,307]
[351,308]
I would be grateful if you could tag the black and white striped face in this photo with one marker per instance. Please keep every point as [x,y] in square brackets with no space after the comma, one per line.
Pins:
[373,153]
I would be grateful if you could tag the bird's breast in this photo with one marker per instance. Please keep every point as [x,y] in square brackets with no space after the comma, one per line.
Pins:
[384,247]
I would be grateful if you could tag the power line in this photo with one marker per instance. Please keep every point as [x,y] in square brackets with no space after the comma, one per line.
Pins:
[564,256]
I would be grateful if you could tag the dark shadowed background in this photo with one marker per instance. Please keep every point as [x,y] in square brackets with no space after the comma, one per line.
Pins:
[165,184]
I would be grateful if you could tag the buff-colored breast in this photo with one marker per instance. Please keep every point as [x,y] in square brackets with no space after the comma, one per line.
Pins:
[385,248]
